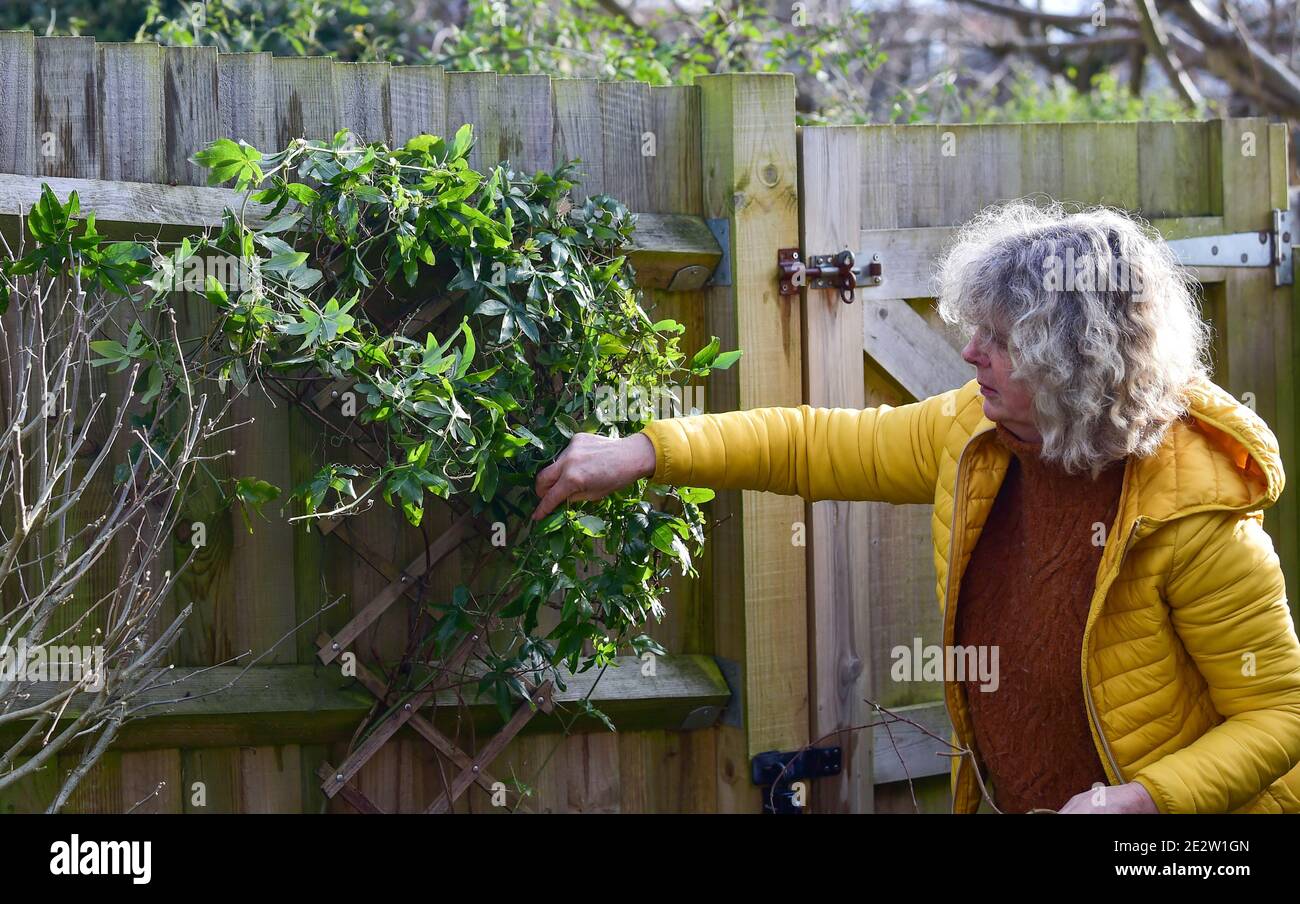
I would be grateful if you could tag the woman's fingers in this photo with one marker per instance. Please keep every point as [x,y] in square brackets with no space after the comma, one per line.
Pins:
[547,476]
[590,468]
[551,486]
[557,494]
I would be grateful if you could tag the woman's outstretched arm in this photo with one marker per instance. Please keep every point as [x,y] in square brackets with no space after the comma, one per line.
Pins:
[883,454]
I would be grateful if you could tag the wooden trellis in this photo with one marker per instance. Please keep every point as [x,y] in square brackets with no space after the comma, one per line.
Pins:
[473,769]
[403,582]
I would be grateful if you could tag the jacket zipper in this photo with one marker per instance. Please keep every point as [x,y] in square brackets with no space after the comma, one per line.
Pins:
[1094,723]
[957,507]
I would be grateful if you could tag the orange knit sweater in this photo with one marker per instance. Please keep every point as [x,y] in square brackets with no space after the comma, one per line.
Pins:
[1026,590]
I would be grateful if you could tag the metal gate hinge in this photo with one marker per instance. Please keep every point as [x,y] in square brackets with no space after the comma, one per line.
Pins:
[1265,248]
[777,771]
[827,271]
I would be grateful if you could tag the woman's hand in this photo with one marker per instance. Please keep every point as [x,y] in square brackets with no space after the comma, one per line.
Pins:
[1128,798]
[591,467]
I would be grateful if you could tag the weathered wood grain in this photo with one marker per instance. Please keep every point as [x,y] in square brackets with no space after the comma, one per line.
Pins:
[838,556]
[751,179]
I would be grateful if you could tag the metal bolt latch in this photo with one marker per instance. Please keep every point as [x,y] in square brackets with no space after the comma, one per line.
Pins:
[827,271]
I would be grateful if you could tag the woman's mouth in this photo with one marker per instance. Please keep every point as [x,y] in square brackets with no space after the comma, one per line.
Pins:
[987,391]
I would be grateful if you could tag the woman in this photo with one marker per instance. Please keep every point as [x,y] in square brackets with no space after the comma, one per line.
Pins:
[1097,514]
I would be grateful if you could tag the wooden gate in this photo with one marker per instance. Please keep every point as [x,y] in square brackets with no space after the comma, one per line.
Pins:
[898,192]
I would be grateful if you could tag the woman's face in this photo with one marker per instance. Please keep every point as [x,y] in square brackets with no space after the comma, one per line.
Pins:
[1006,401]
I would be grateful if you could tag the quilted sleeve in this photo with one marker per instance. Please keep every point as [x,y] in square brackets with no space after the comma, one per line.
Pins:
[883,454]
[1228,603]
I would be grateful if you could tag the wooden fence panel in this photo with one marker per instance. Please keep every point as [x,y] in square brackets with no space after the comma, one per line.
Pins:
[723,150]
[149,110]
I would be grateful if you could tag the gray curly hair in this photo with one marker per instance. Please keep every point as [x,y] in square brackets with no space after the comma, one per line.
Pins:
[1098,317]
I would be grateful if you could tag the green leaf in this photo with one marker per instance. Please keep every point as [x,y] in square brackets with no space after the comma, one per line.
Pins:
[726,359]
[424,144]
[226,159]
[215,292]
[532,437]
[153,384]
[609,345]
[704,357]
[303,194]
[467,355]
[253,493]
[223,150]
[112,352]
[695,495]
[461,143]
[281,223]
[591,525]
[485,478]
[285,261]
[414,513]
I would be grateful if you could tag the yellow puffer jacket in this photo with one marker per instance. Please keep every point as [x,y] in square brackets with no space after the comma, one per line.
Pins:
[1190,661]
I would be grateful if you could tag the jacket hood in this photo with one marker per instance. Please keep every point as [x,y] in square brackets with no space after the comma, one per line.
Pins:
[1220,454]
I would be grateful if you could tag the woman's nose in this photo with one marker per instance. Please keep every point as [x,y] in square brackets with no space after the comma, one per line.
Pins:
[972,354]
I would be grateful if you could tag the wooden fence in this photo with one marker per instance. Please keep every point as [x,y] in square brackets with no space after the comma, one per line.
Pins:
[776,644]
[92,117]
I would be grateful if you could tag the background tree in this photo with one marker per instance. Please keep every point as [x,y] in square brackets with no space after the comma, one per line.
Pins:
[899,60]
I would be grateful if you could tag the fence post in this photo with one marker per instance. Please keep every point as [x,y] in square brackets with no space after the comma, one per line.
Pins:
[830,183]
[759,573]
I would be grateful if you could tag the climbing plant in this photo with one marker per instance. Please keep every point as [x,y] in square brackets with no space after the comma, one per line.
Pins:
[339,245]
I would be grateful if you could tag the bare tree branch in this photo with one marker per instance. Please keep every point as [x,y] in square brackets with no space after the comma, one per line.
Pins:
[74,503]
[1070,23]
[1241,59]
[1157,42]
